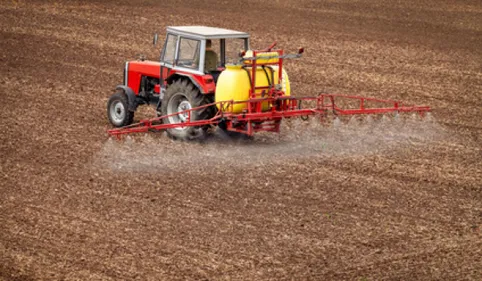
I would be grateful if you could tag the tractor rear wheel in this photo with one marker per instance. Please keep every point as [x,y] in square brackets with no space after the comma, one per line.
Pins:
[117,110]
[182,95]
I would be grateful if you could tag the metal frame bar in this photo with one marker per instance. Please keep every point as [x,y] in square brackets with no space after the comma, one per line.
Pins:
[269,121]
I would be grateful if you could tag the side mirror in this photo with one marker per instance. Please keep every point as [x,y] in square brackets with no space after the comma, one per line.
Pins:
[155,39]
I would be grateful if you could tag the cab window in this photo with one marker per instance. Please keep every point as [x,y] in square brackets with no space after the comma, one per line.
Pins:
[232,49]
[170,49]
[189,53]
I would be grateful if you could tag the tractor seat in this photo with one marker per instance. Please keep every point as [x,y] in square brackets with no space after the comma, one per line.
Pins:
[210,61]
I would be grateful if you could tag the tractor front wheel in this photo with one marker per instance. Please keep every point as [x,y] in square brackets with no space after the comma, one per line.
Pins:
[180,96]
[117,110]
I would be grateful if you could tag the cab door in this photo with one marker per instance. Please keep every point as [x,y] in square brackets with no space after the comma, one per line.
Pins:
[168,56]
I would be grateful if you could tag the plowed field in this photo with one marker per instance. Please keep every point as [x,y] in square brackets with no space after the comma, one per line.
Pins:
[387,201]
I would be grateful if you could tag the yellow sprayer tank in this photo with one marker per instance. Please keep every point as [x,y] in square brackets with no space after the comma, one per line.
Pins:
[264,57]
[234,84]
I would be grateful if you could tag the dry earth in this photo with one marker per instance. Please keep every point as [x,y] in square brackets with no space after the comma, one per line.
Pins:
[401,201]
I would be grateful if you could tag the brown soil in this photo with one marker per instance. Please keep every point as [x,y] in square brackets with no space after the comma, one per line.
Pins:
[356,203]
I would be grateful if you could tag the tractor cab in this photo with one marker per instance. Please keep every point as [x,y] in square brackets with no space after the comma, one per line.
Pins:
[201,50]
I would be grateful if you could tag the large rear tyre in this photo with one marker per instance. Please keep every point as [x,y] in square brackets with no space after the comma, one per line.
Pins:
[117,110]
[182,95]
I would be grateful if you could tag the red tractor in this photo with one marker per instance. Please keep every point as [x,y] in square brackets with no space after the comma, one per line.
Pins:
[203,80]
[183,78]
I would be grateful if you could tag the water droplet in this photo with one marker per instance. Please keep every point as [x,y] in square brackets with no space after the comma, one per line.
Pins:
[353,122]
[396,117]
[336,122]
[129,140]
[385,119]
[429,117]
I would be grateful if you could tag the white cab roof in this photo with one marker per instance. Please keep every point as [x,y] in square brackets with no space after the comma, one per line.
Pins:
[206,32]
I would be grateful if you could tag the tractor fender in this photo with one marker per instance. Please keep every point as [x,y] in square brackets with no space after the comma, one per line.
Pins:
[131,97]
[175,76]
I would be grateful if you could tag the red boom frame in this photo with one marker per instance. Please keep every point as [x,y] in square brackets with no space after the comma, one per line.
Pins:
[282,107]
